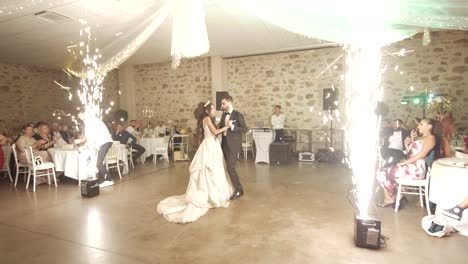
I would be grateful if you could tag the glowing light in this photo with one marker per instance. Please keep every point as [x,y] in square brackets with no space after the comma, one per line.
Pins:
[363,91]
[111,103]
[91,81]
[94,227]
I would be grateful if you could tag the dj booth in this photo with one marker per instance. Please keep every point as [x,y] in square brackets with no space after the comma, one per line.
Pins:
[322,145]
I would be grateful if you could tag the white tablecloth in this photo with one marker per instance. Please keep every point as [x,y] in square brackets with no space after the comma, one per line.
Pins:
[449,183]
[263,139]
[6,156]
[151,146]
[74,164]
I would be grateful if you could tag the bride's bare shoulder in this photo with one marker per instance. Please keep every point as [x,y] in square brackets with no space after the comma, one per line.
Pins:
[206,119]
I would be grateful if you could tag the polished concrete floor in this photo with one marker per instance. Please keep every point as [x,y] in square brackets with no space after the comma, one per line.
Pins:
[290,214]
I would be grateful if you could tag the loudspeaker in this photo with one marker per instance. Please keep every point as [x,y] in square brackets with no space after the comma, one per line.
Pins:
[89,187]
[280,153]
[219,97]
[330,99]
[120,115]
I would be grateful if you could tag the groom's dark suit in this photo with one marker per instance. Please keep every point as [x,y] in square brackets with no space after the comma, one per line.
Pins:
[232,144]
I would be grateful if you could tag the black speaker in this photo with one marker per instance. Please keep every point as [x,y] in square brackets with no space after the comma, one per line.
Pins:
[330,99]
[280,153]
[120,115]
[219,97]
[89,187]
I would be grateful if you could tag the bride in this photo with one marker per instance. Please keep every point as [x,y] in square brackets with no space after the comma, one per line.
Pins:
[208,185]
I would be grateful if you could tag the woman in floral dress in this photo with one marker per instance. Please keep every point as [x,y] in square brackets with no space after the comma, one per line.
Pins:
[414,167]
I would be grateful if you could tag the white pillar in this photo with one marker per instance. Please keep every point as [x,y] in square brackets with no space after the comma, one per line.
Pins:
[127,88]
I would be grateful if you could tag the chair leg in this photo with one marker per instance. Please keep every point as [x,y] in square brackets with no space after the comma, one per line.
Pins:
[27,181]
[426,196]
[55,178]
[34,181]
[16,178]
[397,200]
[48,176]
[9,172]
[421,196]
[118,170]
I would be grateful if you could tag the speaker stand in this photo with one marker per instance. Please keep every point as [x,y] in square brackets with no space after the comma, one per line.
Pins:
[329,154]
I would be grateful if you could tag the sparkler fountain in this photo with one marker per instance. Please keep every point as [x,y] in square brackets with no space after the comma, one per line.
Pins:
[363,92]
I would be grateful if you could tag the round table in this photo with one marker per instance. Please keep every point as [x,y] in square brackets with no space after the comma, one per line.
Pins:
[449,182]
[74,163]
[153,146]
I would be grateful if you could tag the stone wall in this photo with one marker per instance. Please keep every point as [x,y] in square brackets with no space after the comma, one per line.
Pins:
[257,83]
[294,80]
[29,94]
[441,67]
[172,94]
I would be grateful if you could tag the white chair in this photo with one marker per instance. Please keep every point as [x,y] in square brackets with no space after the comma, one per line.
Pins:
[247,144]
[6,166]
[162,149]
[414,187]
[20,167]
[130,155]
[39,168]
[131,151]
[112,157]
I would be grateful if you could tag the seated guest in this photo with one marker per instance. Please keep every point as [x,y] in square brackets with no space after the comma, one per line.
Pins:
[447,123]
[3,141]
[43,134]
[27,140]
[59,135]
[159,130]
[414,167]
[456,212]
[442,142]
[124,137]
[132,129]
[394,142]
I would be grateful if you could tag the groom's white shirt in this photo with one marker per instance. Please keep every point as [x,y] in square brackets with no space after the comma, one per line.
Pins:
[226,120]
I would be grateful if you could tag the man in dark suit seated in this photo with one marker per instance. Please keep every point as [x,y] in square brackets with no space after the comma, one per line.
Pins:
[394,144]
[124,137]
[56,133]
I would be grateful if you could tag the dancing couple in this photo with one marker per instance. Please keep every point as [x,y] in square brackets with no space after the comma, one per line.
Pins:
[208,185]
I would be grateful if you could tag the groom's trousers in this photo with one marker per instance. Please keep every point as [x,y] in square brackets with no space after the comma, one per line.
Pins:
[231,161]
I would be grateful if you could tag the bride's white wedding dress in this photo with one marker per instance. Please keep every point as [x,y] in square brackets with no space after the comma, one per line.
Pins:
[208,186]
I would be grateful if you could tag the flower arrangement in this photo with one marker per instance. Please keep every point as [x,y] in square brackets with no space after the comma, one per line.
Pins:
[438,106]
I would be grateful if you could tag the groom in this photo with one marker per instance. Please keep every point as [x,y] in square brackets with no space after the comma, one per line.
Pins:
[232,141]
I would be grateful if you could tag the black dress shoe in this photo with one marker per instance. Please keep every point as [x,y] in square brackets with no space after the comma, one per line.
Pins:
[237,194]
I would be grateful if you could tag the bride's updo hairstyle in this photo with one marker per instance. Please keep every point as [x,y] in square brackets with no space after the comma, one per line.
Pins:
[200,113]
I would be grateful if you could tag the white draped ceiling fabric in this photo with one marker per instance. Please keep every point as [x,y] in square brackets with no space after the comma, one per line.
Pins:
[357,22]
